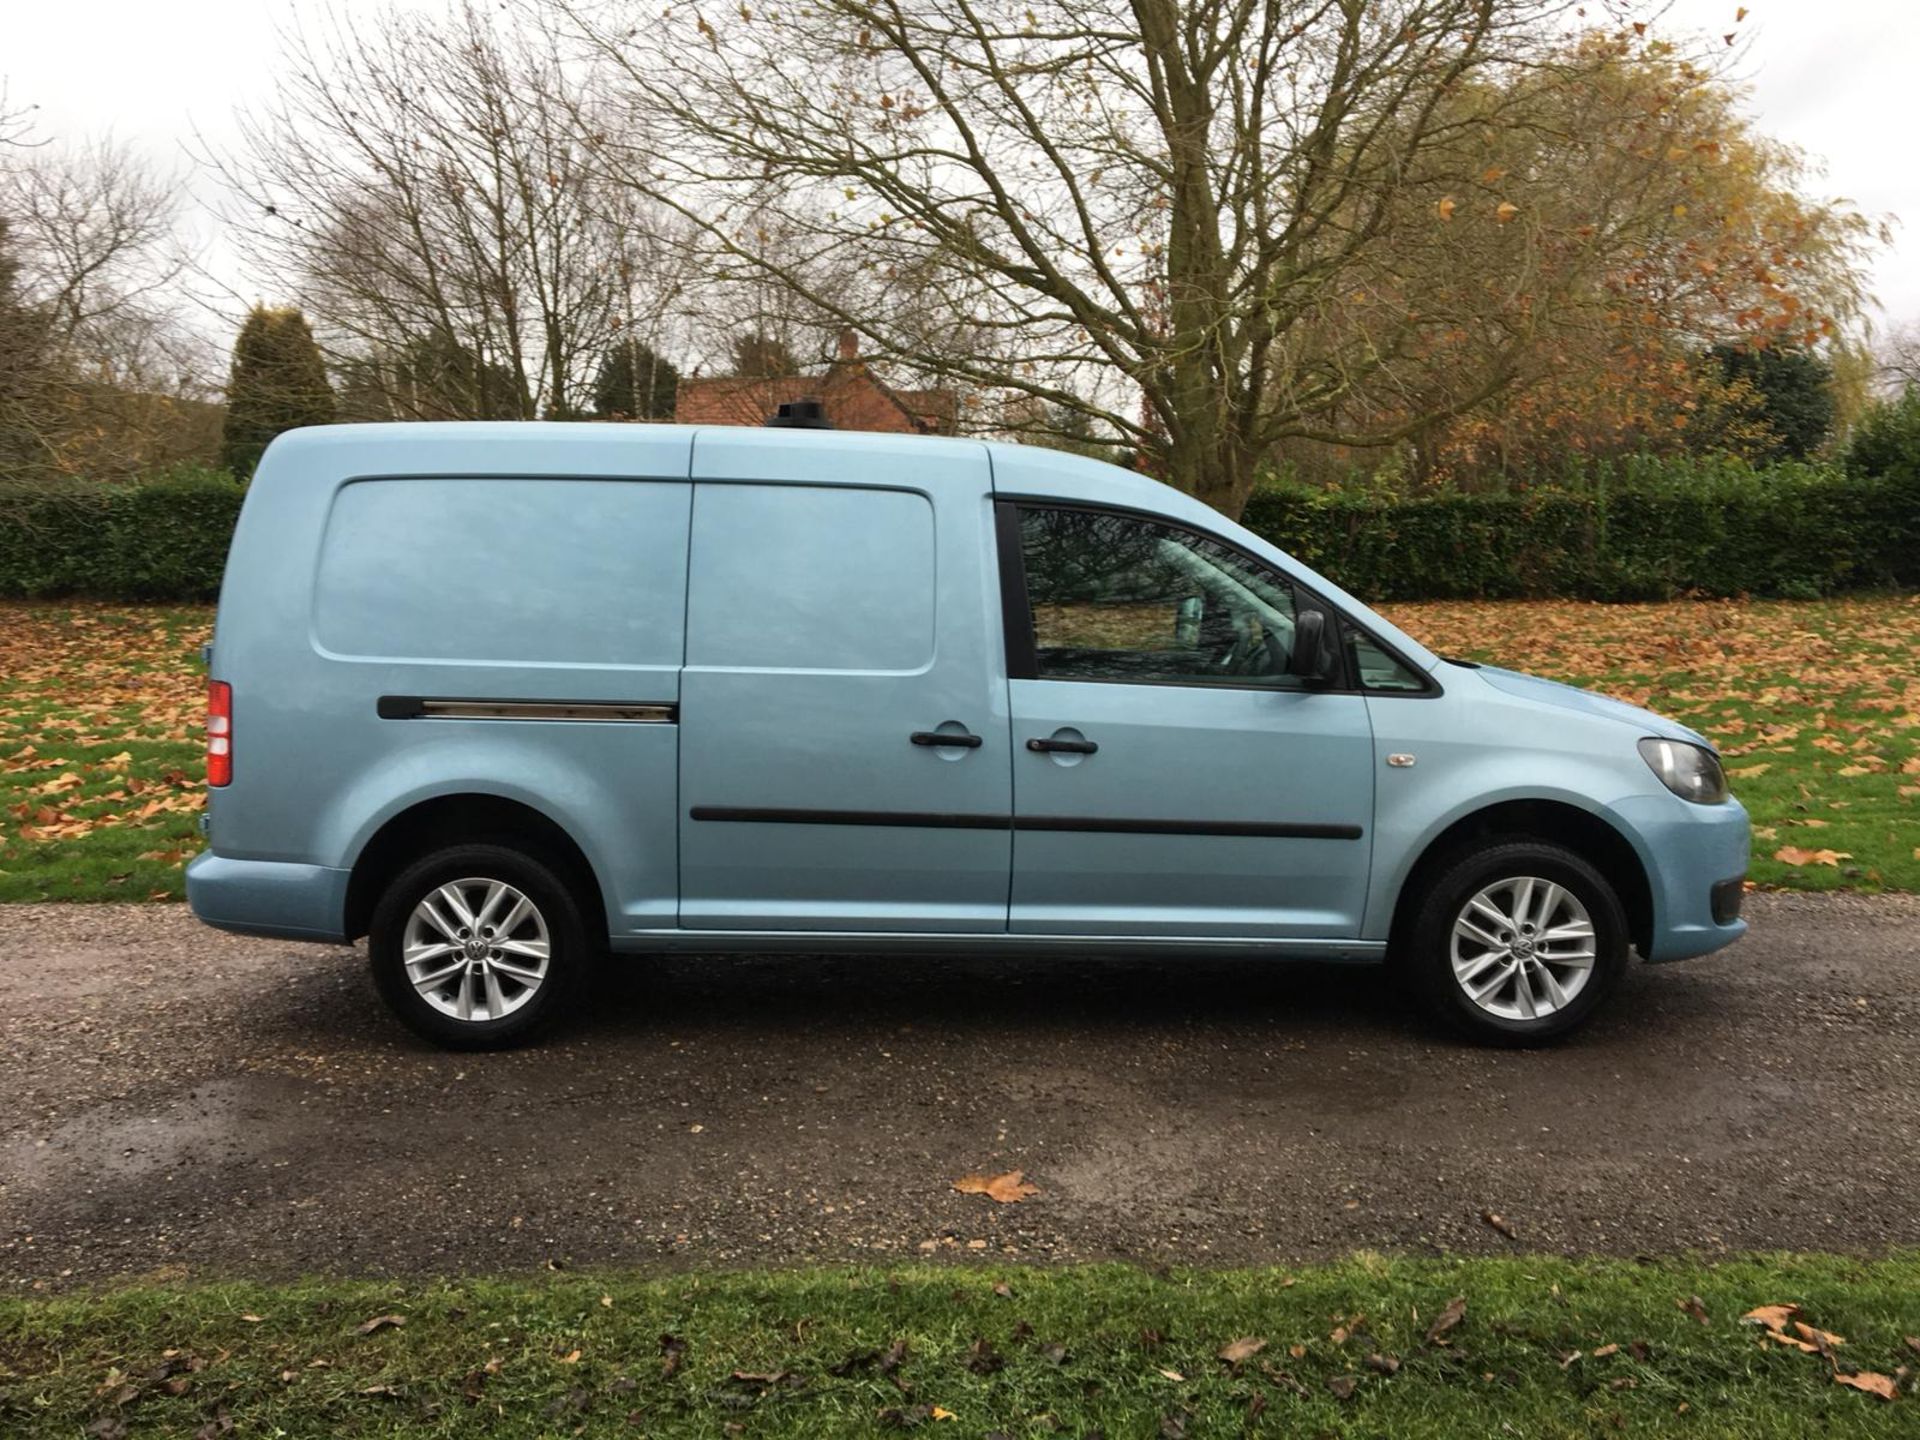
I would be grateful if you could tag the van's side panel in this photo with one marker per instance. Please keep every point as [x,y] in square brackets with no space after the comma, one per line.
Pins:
[839,604]
[377,571]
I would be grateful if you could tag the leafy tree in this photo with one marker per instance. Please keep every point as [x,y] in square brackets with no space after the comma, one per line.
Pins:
[760,356]
[278,383]
[1887,439]
[1695,218]
[1795,392]
[635,383]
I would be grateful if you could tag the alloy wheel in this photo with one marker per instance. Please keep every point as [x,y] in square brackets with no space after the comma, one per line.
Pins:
[1523,948]
[476,949]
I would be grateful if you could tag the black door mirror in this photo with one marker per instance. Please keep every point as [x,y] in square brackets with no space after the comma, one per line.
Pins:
[1310,660]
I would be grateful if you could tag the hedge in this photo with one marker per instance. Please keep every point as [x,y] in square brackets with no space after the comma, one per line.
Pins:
[1792,531]
[163,540]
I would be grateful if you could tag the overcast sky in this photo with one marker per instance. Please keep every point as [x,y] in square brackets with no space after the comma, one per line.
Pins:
[1834,77]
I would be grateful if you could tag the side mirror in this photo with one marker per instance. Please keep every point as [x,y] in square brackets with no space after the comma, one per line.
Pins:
[1310,660]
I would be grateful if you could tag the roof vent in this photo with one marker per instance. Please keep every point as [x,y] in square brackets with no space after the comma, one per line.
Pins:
[800,415]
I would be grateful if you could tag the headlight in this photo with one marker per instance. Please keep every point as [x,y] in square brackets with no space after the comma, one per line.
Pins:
[1690,771]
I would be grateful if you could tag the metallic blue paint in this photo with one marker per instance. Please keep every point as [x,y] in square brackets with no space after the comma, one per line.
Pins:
[814,655]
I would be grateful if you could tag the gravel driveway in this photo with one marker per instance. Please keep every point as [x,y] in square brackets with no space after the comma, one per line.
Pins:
[187,1103]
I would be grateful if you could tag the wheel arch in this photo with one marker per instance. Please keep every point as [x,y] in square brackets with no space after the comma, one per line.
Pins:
[1588,835]
[466,817]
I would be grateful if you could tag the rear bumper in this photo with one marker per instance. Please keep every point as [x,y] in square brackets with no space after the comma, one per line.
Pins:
[269,897]
[1696,860]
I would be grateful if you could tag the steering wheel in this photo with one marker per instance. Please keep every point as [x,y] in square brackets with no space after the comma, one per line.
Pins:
[1249,654]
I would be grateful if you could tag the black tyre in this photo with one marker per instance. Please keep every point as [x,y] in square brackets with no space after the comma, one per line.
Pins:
[476,946]
[1518,942]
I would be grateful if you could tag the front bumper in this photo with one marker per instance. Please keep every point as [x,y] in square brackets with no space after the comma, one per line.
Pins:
[1696,858]
[269,897]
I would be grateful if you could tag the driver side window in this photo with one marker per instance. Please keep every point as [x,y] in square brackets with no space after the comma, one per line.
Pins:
[1117,597]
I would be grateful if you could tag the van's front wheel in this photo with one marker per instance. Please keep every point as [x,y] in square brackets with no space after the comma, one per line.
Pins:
[1519,943]
[475,946]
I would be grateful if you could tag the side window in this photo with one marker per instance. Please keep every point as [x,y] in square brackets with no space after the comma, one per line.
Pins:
[1378,670]
[505,571]
[1117,597]
[810,577]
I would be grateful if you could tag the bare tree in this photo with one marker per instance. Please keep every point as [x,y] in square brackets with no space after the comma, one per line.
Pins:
[1146,211]
[423,189]
[1897,359]
[106,378]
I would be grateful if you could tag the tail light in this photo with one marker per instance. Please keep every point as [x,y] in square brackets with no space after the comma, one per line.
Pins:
[219,733]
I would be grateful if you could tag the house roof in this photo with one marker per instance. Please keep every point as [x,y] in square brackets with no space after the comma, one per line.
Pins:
[854,397]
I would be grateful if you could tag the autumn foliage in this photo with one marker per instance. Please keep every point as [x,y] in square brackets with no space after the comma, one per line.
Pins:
[1592,243]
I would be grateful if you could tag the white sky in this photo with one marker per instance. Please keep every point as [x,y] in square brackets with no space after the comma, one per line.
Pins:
[1834,77]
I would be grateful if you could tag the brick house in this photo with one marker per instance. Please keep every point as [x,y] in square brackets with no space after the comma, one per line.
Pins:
[855,398]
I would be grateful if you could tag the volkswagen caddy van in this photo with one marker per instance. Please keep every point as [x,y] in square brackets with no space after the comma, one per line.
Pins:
[504,697]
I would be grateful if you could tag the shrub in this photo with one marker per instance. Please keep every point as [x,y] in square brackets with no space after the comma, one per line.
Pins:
[163,540]
[1642,531]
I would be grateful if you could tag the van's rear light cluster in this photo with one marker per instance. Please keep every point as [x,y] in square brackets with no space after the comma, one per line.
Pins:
[219,733]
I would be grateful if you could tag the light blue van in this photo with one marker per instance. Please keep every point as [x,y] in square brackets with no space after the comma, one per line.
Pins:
[502,697]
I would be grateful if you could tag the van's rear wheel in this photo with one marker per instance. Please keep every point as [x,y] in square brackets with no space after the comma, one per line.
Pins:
[476,946]
[1519,943]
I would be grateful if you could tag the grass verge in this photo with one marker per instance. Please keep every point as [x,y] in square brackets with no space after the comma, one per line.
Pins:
[1545,1347]
[1816,705]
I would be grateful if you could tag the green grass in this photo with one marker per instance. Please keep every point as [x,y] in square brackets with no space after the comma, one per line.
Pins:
[1019,1352]
[1817,706]
[101,754]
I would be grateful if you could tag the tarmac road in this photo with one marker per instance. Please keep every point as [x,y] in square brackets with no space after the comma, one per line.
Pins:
[183,1103]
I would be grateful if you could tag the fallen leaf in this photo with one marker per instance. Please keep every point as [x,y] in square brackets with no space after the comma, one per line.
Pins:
[380,1322]
[983,1359]
[1383,1364]
[1498,1222]
[1794,855]
[1003,1189]
[672,1350]
[1175,1376]
[1505,211]
[940,1414]
[1872,1384]
[1448,1318]
[572,1358]
[766,1379]
[1605,1350]
[1240,1351]
[1748,772]
[1818,1337]
[1774,1317]
[1343,1386]
[1694,1306]
[253,1319]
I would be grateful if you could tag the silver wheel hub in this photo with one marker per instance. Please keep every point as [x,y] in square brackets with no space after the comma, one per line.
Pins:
[476,949]
[1523,948]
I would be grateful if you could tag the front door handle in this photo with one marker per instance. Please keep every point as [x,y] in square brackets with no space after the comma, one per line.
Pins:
[934,738]
[1062,747]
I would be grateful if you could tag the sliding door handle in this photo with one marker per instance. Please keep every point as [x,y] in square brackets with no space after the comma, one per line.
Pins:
[933,738]
[1062,747]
